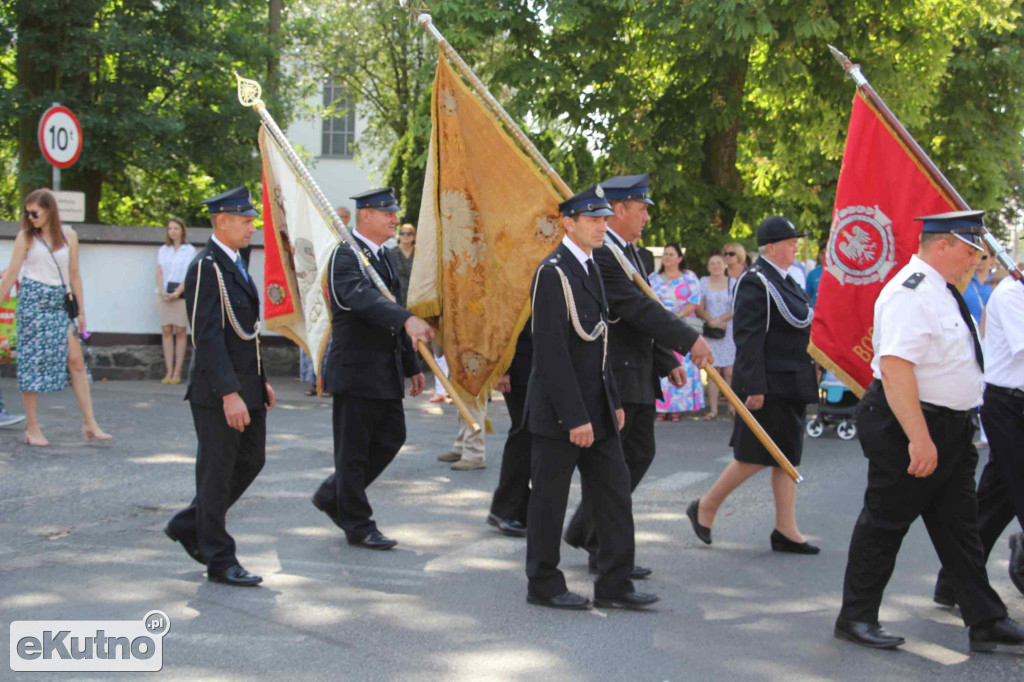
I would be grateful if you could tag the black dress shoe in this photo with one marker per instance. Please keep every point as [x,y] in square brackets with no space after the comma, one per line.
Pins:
[944,595]
[780,543]
[626,600]
[191,545]
[870,635]
[1017,561]
[235,575]
[1005,632]
[566,600]
[509,527]
[635,573]
[374,540]
[703,532]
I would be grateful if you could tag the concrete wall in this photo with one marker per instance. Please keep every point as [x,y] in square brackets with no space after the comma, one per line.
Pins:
[119,283]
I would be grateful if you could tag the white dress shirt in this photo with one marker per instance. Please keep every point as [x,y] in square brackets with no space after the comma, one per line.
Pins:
[376,249]
[174,264]
[580,254]
[1004,335]
[923,325]
[232,254]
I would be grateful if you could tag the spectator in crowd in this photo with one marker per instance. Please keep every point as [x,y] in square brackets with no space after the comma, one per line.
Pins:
[679,290]
[404,253]
[735,260]
[50,354]
[171,264]
[345,216]
[716,291]
[978,288]
[814,279]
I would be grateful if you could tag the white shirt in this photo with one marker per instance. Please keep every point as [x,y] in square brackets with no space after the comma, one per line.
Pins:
[1004,335]
[621,242]
[375,249]
[174,264]
[580,254]
[796,271]
[232,254]
[40,266]
[782,273]
[923,325]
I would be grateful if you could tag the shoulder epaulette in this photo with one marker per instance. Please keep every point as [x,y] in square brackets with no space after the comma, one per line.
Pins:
[915,279]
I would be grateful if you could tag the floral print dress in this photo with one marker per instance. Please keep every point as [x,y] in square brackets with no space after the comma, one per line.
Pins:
[676,294]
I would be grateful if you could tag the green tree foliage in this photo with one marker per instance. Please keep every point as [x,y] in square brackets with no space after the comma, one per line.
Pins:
[739,111]
[151,84]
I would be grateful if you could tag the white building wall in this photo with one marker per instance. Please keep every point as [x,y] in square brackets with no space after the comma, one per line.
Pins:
[338,178]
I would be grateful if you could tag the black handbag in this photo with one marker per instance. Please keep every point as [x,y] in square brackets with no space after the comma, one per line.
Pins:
[70,302]
[713,332]
[172,287]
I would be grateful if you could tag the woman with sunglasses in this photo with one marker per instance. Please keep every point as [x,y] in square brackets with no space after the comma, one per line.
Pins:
[404,253]
[50,354]
[735,261]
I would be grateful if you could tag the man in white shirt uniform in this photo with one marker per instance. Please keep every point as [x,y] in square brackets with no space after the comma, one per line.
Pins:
[1001,488]
[914,425]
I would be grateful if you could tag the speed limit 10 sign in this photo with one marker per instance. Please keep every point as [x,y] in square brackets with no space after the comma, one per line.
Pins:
[60,136]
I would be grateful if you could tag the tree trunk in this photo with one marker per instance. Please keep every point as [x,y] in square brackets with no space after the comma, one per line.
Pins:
[721,141]
[37,74]
[274,61]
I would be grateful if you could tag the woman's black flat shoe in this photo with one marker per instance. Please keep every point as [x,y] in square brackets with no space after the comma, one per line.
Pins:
[780,543]
[703,532]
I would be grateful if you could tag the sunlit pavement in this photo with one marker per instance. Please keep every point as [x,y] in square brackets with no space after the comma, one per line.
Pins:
[81,539]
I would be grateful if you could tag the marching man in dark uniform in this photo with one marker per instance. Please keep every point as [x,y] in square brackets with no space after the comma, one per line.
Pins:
[512,496]
[574,414]
[227,388]
[371,355]
[1001,486]
[639,339]
[774,376]
[914,424]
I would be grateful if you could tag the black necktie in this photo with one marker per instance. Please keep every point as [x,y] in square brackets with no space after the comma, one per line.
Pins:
[382,257]
[966,314]
[595,276]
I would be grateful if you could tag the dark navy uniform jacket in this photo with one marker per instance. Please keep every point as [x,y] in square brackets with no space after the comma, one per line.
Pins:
[645,331]
[567,385]
[773,362]
[370,354]
[222,363]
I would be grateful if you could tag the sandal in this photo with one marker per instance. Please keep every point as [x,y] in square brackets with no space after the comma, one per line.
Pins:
[661,417]
[710,417]
[676,417]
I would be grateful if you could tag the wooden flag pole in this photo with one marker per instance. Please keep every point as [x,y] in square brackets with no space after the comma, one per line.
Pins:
[945,186]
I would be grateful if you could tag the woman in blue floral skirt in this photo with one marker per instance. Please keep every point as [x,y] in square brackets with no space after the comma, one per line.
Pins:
[50,353]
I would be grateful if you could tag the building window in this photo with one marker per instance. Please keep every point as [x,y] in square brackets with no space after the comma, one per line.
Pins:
[339,132]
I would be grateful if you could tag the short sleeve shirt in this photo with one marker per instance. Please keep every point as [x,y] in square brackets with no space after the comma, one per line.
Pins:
[174,264]
[922,325]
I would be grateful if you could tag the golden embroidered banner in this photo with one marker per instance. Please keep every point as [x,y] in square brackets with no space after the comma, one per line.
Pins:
[487,218]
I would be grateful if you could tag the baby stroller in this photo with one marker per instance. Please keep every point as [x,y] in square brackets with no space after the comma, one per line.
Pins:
[836,406]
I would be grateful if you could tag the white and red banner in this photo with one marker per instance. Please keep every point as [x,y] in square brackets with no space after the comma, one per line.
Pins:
[298,245]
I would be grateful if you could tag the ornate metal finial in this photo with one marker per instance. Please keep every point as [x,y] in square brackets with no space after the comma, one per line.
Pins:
[424,19]
[249,91]
[852,70]
[843,60]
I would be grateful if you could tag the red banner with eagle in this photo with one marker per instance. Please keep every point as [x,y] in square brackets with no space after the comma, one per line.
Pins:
[882,188]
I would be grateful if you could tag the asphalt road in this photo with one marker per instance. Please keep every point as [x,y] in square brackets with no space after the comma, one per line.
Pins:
[81,539]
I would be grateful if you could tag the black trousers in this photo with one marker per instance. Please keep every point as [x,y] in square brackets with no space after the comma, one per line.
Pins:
[894,499]
[512,496]
[368,433]
[227,462]
[1001,488]
[605,482]
[638,450]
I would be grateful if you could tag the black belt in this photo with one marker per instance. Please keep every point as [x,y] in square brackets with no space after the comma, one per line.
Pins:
[1012,392]
[946,412]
